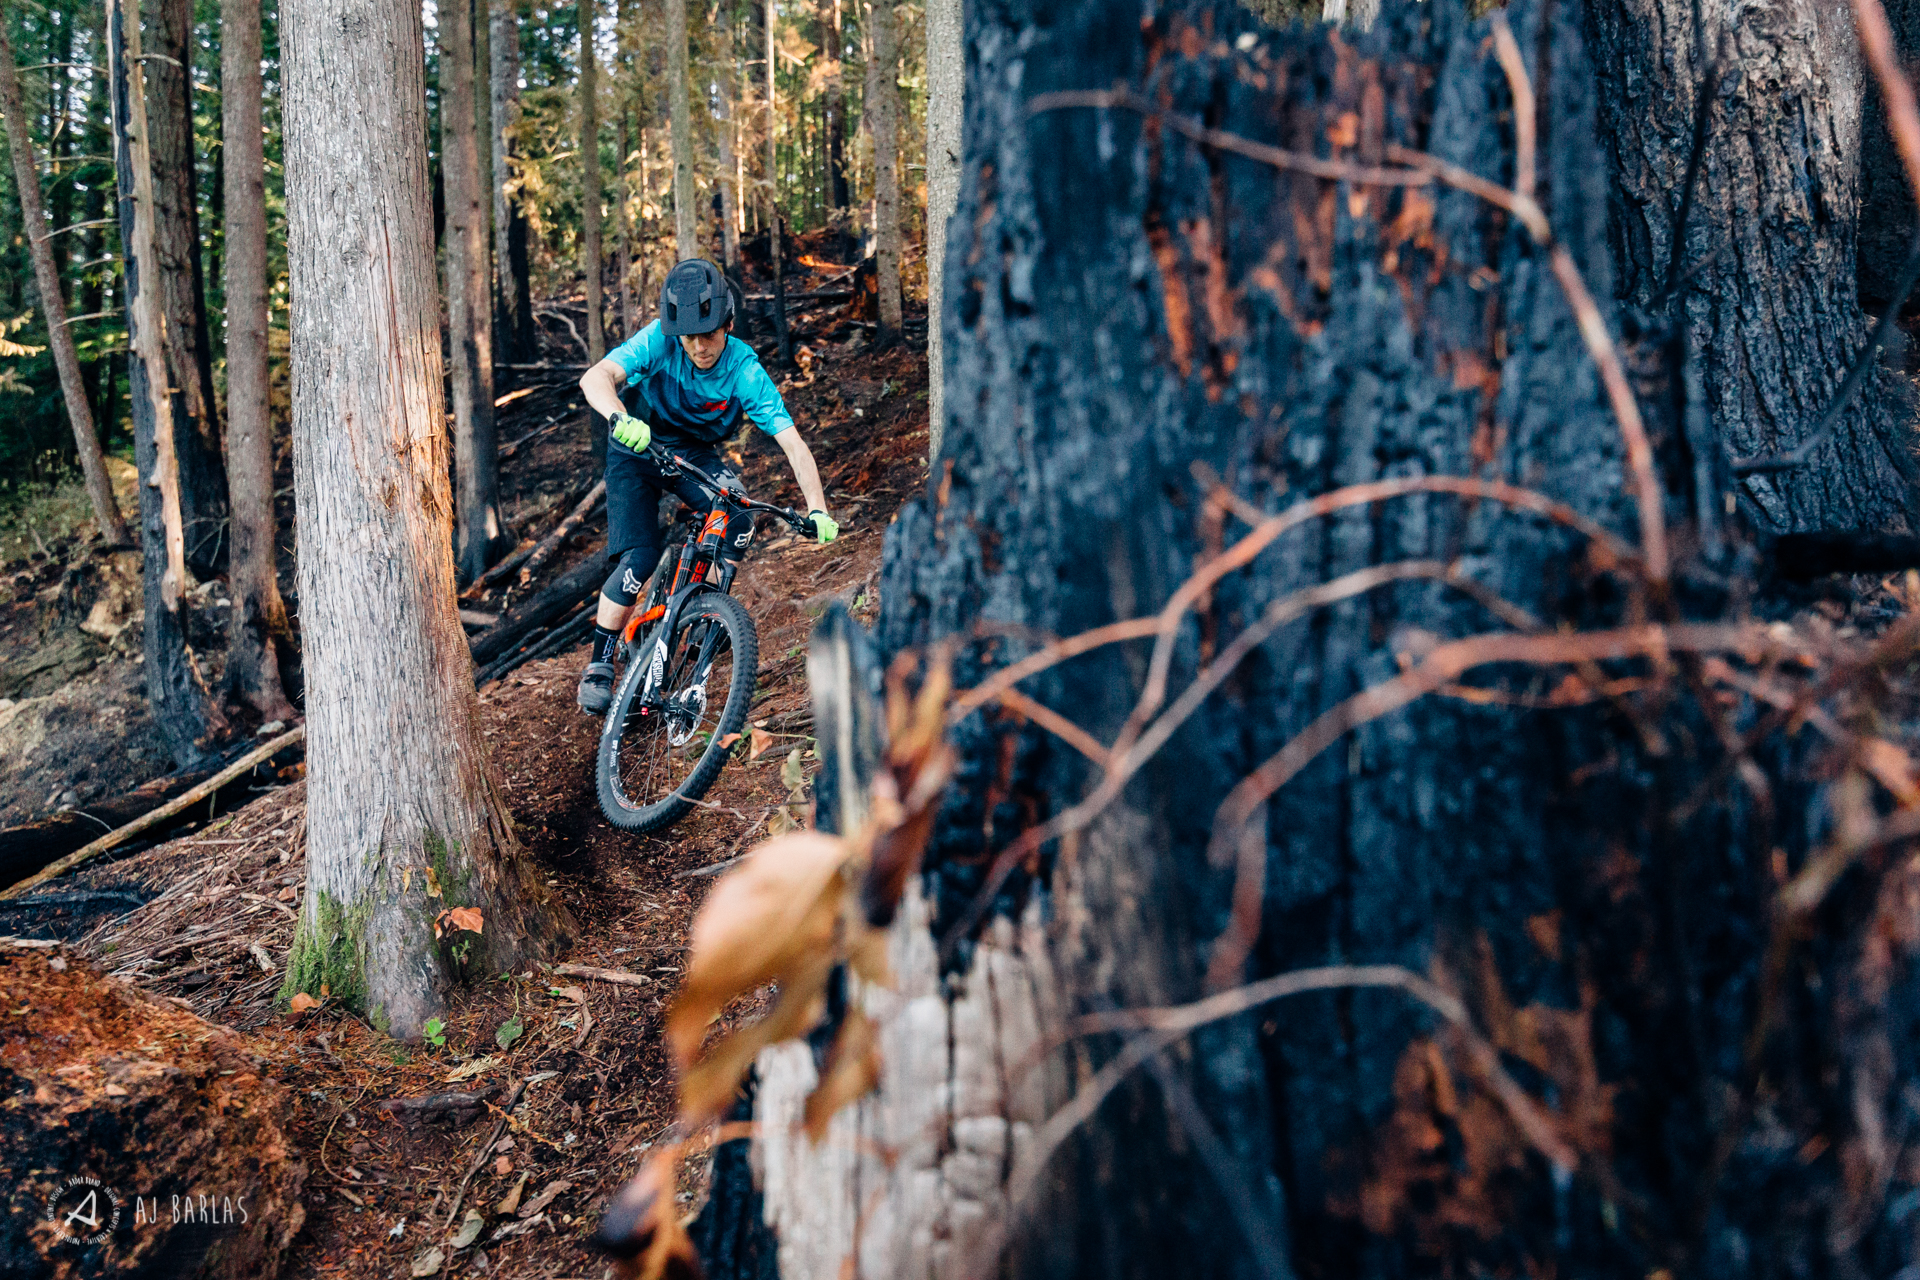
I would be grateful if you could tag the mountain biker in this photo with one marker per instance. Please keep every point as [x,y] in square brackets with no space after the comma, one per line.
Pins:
[684,381]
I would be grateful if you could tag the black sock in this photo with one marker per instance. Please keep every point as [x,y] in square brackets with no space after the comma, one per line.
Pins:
[603,643]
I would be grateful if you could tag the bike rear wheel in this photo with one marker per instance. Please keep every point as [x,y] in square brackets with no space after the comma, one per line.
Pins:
[677,701]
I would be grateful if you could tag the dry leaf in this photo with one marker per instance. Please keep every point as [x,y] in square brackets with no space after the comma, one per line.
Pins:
[545,1198]
[470,1228]
[511,1201]
[503,1166]
[762,918]
[468,1070]
[729,740]
[300,1003]
[429,1263]
[433,882]
[853,1067]
[781,822]
[288,894]
[793,775]
[467,918]
[642,1225]
[762,743]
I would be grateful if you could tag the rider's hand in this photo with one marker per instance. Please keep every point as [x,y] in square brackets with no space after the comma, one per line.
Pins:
[824,527]
[631,432]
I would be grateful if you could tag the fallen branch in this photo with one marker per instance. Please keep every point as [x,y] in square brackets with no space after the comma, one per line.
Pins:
[87,853]
[544,549]
[542,609]
[619,977]
[460,1108]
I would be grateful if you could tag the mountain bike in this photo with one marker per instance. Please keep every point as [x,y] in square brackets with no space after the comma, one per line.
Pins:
[691,657]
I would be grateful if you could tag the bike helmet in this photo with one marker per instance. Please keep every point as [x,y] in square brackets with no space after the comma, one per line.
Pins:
[695,299]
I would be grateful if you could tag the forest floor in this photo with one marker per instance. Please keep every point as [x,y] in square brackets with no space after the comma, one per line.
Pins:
[219,904]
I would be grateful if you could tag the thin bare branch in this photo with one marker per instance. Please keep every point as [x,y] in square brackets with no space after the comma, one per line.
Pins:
[1507,50]
[1056,724]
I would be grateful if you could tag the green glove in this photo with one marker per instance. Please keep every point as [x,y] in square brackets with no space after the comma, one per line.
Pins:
[631,432]
[823,527]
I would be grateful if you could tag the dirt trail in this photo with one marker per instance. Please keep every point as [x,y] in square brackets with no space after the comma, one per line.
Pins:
[597,1092]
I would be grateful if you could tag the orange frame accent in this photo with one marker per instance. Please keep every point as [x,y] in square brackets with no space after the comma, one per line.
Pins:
[640,620]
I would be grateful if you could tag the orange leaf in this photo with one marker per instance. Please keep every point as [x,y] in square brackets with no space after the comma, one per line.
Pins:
[762,743]
[301,1002]
[467,918]
[729,740]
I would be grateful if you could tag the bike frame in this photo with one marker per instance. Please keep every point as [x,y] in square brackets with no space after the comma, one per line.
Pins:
[697,557]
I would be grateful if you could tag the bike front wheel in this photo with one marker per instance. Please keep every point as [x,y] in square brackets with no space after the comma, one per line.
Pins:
[680,698]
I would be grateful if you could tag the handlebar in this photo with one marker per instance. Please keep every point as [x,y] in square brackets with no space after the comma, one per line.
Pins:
[670,462]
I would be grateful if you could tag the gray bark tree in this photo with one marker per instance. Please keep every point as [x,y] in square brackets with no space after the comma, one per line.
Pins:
[723,127]
[469,301]
[183,710]
[590,184]
[686,234]
[883,120]
[946,85]
[53,307]
[833,106]
[405,817]
[259,628]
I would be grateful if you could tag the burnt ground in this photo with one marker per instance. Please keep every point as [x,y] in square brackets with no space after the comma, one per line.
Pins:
[220,902]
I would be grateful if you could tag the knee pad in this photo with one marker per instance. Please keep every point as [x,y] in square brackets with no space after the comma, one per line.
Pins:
[630,574]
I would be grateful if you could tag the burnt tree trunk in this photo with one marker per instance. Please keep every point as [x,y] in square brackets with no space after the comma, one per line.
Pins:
[1123,304]
[686,234]
[179,277]
[176,689]
[1765,274]
[260,629]
[405,816]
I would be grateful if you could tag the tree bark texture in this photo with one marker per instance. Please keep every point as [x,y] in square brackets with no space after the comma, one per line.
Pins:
[180,282]
[176,690]
[623,228]
[259,625]
[686,233]
[946,85]
[590,186]
[723,132]
[503,81]
[1767,268]
[883,119]
[405,818]
[476,461]
[1123,304]
[834,106]
[53,307]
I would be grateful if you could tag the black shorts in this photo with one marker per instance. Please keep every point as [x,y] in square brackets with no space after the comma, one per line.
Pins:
[634,488]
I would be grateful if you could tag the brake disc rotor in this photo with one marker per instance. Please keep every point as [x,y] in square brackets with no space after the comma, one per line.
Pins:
[684,712]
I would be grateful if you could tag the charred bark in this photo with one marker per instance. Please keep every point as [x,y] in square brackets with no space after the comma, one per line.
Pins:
[1123,304]
[176,689]
[179,277]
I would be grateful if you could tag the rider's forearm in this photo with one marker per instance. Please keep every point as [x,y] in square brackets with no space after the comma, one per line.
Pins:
[801,459]
[601,386]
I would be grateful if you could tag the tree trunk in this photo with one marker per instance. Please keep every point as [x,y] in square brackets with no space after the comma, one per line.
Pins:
[504,91]
[1125,304]
[176,691]
[46,275]
[259,624]
[181,283]
[405,818]
[946,80]
[484,133]
[833,53]
[776,226]
[686,235]
[1766,273]
[59,202]
[469,323]
[883,120]
[623,231]
[595,264]
[723,130]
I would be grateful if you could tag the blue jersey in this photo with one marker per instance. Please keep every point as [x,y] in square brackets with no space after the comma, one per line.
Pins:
[692,405]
